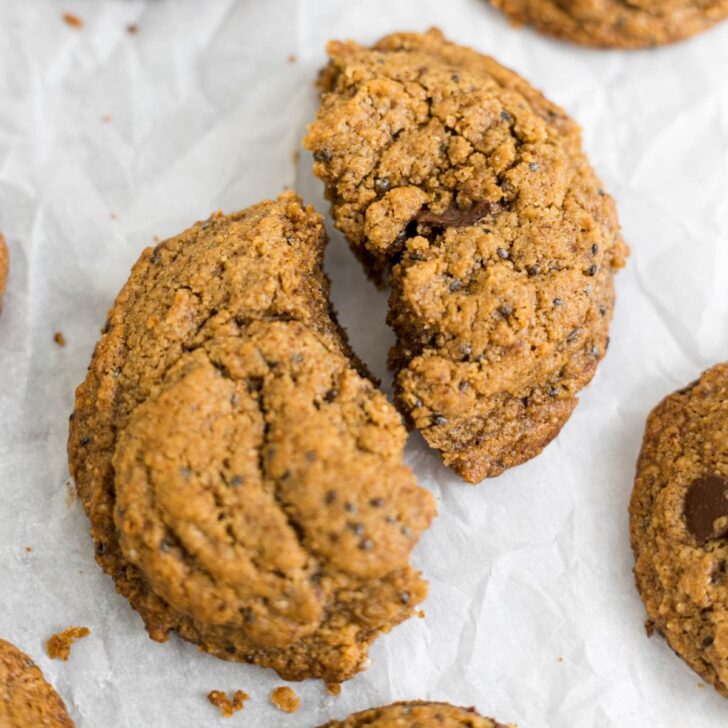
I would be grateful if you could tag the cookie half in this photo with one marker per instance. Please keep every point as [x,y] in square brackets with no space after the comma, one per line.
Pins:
[26,699]
[615,23]
[416,714]
[243,477]
[452,175]
[679,524]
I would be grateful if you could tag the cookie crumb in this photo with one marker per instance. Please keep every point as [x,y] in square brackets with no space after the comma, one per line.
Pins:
[28,549]
[649,628]
[106,118]
[59,645]
[560,659]
[285,699]
[295,156]
[71,493]
[112,216]
[292,58]
[59,338]
[132,29]
[73,20]
[226,706]
[333,689]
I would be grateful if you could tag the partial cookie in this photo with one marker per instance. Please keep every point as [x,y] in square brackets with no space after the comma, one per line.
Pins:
[416,715]
[243,479]
[616,23]
[4,267]
[679,524]
[453,175]
[26,699]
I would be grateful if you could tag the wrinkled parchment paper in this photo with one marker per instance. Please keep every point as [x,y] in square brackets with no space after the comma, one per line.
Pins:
[110,139]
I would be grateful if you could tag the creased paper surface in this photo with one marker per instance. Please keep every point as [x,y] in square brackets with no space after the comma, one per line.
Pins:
[110,139]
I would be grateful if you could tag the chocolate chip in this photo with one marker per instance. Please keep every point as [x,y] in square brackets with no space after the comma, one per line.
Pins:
[323,155]
[533,166]
[357,528]
[706,501]
[350,508]
[602,310]
[230,650]
[311,456]
[366,544]
[455,77]
[330,497]
[391,519]
[505,310]
[84,441]
[331,395]
[376,502]
[456,285]
[592,270]
[595,249]
[185,472]
[236,481]
[505,116]
[534,270]
[503,253]
[249,615]
[455,217]
[707,642]
[383,184]
[572,335]
[101,549]
[439,420]
[465,350]
[601,192]
[163,547]
[463,385]
[558,302]
[404,597]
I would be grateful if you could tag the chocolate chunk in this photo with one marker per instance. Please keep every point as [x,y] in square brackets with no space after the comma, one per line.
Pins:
[455,217]
[705,502]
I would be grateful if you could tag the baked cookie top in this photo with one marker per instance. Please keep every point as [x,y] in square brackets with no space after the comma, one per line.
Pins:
[616,23]
[4,267]
[26,699]
[679,524]
[243,479]
[454,175]
[416,714]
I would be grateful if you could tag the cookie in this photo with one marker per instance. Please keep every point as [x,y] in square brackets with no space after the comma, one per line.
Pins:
[416,714]
[4,268]
[453,176]
[616,23]
[679,524]
[26,699]
[243,478]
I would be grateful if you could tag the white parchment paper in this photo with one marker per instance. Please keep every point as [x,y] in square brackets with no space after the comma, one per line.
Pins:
[108,139]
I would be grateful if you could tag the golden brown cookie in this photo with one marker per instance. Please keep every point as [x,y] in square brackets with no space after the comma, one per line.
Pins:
[416,714]
[243,479]
[679,524]
[26,699]
[616,23]
[4,267]
[471,189]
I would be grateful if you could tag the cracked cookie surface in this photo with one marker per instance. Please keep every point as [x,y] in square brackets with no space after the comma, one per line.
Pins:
[616,23]
[454,176]
[679,524]
[416,714]
[26,699]
[243,478]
